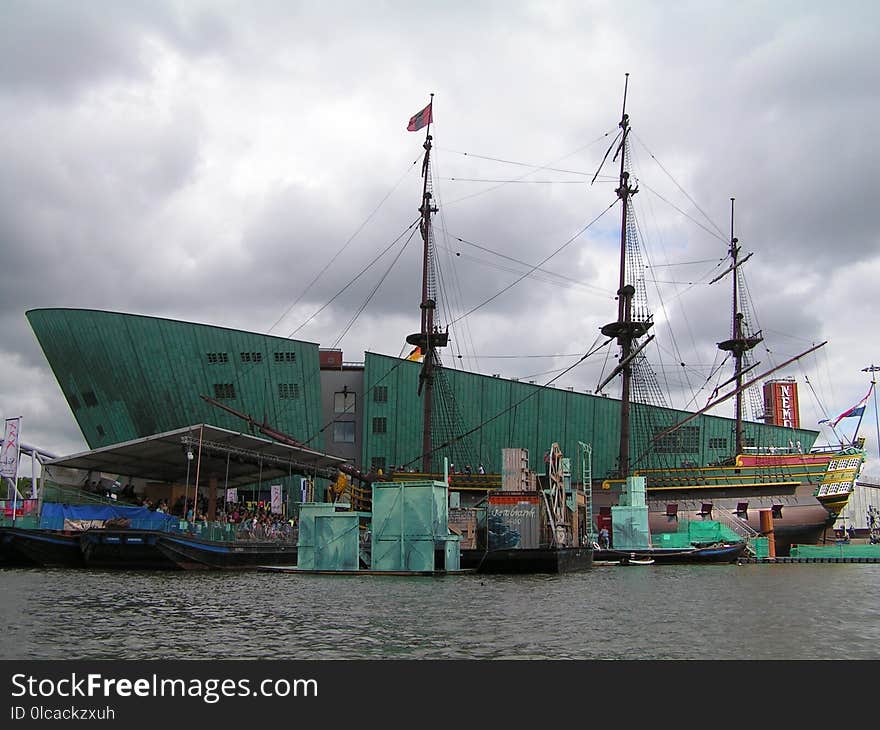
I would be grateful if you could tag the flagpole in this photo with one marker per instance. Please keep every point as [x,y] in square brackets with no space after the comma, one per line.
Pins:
[862,415]
[873,369]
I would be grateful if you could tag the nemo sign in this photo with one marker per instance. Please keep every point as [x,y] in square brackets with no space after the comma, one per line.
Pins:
[781,403]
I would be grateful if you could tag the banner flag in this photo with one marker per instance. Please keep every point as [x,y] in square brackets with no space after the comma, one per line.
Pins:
[857,410]
[422,119]
[276,499]
[10,451]
[232,494]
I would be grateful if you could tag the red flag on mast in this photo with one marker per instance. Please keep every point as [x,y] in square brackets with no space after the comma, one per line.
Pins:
[422,119]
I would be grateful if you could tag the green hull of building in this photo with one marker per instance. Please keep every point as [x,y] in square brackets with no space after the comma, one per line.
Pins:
[129,376]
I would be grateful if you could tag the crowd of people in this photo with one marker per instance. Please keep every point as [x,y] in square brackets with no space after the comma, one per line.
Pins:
[245,520]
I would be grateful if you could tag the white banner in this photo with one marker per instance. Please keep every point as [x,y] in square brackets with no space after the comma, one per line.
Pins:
[232,495]
[9,452]
[276,499]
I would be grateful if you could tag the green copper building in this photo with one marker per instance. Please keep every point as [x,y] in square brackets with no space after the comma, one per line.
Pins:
[129,376]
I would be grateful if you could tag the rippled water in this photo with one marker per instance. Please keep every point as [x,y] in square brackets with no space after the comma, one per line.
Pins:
[656,612]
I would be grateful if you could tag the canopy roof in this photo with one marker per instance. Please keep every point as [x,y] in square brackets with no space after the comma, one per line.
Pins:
[235,459]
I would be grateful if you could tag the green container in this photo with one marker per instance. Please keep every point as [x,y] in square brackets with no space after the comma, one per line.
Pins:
[337,539]
[410,521]
[306,540]
[452,545]
[629,528]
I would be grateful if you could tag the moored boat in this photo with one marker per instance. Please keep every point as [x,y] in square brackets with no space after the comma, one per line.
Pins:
[194,553]
[47,548]
[10,555]
[728,552]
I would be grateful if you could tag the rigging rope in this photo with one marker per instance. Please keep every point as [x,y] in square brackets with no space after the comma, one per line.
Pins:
[374,290]
[344,246]
[362,272]
[536,267]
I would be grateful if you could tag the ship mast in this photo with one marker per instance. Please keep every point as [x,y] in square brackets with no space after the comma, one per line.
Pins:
[429,338]
[740,342]
[625,329]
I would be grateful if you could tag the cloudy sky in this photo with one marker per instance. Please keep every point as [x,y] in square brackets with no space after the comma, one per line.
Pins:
[239,164]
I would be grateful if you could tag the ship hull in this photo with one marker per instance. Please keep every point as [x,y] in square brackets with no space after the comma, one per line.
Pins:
[10,554]
[528,560]
[124,549]
[800,519]
[786,485]
[195,554]
[48,548]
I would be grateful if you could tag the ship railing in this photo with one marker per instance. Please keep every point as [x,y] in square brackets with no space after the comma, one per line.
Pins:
[237,532]
[764,450]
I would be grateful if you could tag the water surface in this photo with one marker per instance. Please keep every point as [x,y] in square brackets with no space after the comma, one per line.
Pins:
[652,612]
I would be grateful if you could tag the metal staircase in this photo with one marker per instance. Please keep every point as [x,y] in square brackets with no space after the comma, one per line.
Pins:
[738,525]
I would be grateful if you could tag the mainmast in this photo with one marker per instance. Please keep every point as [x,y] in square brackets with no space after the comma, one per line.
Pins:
[625,329]
[430,337]
[740,342]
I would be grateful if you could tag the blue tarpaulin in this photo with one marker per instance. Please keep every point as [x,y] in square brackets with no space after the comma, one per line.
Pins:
[141,517]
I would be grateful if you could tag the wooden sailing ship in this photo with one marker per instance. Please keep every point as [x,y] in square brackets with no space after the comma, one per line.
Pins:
[803,491]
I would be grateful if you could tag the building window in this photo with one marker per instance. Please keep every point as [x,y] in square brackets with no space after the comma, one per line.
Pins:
[288,390]
[380,394]
[717,443]
[343,401]
[750,442]
[251,357]
[343,432]
[686,440]
[100,429]
[74,402]
[380,425]
[90,399]
[377,462]
[224,391]
[285,357]
[215,358]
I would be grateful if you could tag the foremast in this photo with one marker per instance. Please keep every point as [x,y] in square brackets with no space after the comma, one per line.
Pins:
[740,341]
[430,337]
[625,329]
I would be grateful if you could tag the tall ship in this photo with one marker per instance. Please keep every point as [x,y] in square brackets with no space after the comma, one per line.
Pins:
[128,376]
[803,489]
